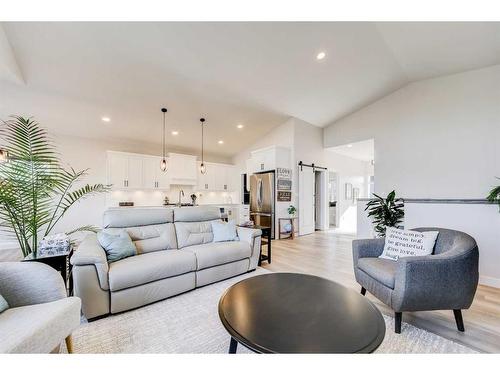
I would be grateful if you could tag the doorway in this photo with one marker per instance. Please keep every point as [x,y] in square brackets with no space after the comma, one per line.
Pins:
[352,176]
[313,199]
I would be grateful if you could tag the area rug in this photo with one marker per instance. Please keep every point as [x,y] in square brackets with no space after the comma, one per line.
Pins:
[189,323]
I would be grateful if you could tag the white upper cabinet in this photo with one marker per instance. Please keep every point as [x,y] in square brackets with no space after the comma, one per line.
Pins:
[124,170]
[218,177]
[182,169]
[152,176]
[136,171]
[268,159]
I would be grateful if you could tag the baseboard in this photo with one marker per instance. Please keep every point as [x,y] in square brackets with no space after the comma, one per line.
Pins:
[489,281]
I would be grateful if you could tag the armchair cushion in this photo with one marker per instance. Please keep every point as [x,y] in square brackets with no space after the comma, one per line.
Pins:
[38,328]
[408,243]
[382,270]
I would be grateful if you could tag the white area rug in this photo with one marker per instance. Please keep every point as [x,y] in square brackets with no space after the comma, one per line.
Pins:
[189,323]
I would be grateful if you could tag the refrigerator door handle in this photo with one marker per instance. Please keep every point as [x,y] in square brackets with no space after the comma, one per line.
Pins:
[260,214]
[259,193]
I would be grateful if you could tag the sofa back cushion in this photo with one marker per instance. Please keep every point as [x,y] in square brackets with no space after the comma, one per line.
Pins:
[194,233]
[197,213]
[135,217]
[149,238]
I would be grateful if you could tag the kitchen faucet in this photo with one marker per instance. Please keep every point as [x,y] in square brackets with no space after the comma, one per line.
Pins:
[180,192]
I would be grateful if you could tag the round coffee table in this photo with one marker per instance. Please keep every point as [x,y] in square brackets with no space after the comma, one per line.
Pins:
[297,313]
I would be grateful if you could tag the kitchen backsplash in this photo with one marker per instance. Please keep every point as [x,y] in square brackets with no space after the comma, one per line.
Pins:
[155,198]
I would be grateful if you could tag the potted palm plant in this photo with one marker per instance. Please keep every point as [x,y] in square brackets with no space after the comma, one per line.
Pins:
[385,212]
[494,195]
[35,190]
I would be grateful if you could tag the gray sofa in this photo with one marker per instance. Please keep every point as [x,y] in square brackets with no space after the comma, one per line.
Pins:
[40,315]
[175,254]
[446,280]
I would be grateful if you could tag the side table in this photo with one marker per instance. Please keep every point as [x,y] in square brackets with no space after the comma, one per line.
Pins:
[292,223]
[60,263]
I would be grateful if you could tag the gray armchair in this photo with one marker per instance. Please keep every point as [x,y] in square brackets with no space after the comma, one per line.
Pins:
[446,280]
[40,315]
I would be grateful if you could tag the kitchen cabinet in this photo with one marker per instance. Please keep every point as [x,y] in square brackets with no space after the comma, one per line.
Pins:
[124,170]
[152,176]
[206,182]
[219,177]
[182,169]
[268,159]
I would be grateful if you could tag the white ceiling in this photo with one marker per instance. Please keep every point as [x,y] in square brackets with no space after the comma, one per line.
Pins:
[363,150]
[256,74]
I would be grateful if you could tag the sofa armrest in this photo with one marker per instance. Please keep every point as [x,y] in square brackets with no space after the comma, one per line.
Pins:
[436,282]
[90,252]
[367,248]
[30,283]
[252,237]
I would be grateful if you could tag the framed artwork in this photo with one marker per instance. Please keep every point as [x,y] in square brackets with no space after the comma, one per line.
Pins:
[348,191]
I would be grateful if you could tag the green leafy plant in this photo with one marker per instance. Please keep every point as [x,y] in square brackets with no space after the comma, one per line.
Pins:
[494,195]
[35,190]
[388,212]
[291,210]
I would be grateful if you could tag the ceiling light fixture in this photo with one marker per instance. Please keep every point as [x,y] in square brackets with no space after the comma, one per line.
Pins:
[164,163]
[221,142]
[106,119]
[240,126]
[203,168]
[349,146]
[175,132]
[320,56]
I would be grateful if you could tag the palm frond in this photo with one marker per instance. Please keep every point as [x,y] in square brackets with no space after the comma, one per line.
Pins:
[85,228]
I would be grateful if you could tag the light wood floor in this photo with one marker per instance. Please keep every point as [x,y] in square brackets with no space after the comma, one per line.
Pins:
[329,255]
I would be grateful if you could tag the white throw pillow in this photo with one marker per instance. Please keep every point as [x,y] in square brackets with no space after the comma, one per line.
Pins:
[407,243]
[223,231]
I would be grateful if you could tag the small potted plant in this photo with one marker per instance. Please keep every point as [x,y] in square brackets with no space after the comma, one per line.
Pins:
[193,199]
[292,211]
[385,212]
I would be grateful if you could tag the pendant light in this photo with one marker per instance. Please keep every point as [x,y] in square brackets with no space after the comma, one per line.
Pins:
[164,163]
[4,156]
[203,168]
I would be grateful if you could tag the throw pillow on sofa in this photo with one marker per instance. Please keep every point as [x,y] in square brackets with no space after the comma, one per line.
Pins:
[3,304]
[407,243]
[116,246]
[223,231]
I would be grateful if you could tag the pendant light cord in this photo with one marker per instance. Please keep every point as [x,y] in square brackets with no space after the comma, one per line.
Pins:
[164,110]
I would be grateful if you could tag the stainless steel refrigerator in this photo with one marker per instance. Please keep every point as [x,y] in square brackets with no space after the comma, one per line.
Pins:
[262,199]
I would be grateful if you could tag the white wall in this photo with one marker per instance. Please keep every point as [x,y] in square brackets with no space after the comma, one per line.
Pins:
[438,138]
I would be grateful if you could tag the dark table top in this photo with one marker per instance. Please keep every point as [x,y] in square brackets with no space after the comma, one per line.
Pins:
[298,313]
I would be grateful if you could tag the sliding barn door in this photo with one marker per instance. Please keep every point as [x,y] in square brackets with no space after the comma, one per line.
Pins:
[306,201]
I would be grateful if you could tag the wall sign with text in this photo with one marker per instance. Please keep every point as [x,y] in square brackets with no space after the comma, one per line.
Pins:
[284,196]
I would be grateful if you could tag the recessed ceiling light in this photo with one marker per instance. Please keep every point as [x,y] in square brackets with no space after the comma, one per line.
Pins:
[175,132]
[349,146]
[105,119]
[240,126]
[221,142]
[321,56]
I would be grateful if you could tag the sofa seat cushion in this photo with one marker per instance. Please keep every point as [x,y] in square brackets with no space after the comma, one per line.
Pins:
[38,328]
[145,268]
[217,253]
[382,270]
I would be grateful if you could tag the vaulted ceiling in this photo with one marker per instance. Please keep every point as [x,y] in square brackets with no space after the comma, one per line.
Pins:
[70,75]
